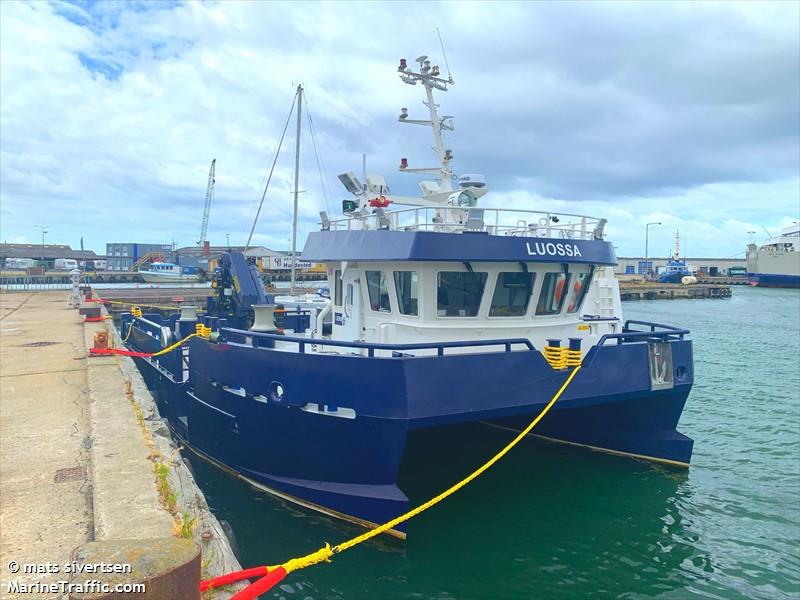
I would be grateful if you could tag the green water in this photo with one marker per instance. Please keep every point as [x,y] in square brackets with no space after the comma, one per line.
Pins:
[552,521]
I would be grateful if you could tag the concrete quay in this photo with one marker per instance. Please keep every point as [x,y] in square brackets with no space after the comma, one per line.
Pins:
[88,469]
[670,291]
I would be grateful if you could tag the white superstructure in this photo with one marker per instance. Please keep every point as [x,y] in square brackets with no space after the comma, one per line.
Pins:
[777,261]
[490,273]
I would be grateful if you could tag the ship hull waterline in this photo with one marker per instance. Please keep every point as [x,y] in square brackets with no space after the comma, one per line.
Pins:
[347,467]
[774,280]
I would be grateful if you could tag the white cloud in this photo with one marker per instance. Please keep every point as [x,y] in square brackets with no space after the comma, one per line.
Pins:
[111,113]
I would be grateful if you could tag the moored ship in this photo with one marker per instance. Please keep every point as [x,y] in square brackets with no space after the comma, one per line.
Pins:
[441,312]
[776,263]
[163,272]
[677,269]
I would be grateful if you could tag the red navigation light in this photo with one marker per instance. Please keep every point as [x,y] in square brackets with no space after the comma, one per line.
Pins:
[403,163]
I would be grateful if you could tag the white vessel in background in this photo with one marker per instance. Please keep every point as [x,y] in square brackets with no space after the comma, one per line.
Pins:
[776,263]
[163,272]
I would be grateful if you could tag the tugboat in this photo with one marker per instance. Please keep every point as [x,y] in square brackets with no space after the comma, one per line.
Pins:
[677,269]
[441,312]
[777,262]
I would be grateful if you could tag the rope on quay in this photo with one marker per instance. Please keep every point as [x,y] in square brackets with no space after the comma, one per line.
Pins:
[272,575]
[200,331]
[107,301]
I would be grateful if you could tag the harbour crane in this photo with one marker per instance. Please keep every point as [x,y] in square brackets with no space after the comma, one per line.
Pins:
[209,200]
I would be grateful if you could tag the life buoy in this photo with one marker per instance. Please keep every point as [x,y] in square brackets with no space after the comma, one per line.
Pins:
[381,202]
[576,294]
[560,290]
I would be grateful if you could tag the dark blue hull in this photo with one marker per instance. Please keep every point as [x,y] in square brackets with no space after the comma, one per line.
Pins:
[330,430]
[772,280]
[673,277]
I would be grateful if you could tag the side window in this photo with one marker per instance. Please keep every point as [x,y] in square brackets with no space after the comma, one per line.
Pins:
[579,289]
[511,294]
[405,282]
[337,287]
[458,294]
[551,298]
[378,289]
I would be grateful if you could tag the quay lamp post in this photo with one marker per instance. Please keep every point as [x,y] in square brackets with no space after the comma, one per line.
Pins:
[647,246]
[44,230]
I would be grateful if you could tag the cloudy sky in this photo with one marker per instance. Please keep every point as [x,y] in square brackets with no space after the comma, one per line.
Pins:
[110,114]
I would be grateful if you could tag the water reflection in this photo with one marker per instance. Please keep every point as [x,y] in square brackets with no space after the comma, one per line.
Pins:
[548,521]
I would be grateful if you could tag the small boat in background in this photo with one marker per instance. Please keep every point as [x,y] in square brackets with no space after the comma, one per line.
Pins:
[164,272]
[677,268]
[776,263]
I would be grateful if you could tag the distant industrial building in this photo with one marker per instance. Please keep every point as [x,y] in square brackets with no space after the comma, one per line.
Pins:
[48,252]
[705,266]
[201,257]
[128,256]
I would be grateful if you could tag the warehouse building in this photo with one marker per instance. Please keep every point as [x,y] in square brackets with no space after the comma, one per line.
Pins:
[705,266]
[128,256]
[48,253]
[207,258]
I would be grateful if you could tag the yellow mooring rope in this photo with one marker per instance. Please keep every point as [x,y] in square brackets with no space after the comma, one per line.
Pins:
[200,331]
[107,301]
[325,553]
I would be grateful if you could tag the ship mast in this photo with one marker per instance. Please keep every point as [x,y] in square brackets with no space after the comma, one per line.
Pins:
[428,76]
[296,183]
[450,201]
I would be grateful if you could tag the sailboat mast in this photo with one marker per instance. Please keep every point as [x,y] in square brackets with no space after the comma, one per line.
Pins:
[296,183]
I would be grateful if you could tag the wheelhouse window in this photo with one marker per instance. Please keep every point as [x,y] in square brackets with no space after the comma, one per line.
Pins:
[406,284]
[579,289]
[512,293]
[458,294]
[378,289]
[337,287]
[551,298]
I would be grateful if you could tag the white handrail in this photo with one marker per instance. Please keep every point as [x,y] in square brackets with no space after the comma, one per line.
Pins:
[507,222]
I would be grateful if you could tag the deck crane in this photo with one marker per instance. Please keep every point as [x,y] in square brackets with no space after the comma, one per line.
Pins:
[209,200]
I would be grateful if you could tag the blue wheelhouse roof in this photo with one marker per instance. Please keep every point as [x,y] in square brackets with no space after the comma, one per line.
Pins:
[385,245]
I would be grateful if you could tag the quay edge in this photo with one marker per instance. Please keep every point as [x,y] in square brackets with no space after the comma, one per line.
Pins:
[80,441]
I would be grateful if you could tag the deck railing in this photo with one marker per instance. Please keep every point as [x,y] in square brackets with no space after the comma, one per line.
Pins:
[656,331]
[241,336]
[494,221]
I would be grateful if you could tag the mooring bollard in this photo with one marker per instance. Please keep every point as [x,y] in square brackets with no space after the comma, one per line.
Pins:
[93,314]
[148,569]
[74,300]
[100,340]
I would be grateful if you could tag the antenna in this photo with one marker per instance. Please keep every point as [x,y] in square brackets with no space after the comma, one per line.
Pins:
[444,55]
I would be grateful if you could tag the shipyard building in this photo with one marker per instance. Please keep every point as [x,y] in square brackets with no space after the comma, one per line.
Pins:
[128,256]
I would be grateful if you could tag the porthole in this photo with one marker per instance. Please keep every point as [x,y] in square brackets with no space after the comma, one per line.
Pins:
[277,393]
